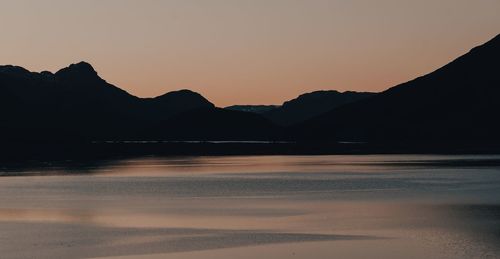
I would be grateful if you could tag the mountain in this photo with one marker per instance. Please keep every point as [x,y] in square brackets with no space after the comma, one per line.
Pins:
[173,103]
[259,109]
[310,105]
[456,103]
[304,107]
[75,103]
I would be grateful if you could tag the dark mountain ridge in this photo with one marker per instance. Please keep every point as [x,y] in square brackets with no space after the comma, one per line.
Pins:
[173,103]
[310,105]
[458,102]
[76,103]
[304,107]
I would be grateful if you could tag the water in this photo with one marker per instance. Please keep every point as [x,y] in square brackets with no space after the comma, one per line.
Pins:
[380,206]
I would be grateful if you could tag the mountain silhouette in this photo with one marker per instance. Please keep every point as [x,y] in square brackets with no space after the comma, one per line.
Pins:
[310,105]
[456,103]
[172,103]
[304,107]
[76,103]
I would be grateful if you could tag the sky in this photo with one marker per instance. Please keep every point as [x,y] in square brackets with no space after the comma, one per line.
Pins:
[245,51]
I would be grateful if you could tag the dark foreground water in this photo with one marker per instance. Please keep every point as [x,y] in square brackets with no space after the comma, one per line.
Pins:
[384,206]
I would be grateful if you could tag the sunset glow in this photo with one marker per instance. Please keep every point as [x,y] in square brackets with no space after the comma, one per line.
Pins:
[245,52]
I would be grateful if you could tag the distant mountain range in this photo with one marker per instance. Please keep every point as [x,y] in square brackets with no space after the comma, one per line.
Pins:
[304,107]
[458,102]
[313,104]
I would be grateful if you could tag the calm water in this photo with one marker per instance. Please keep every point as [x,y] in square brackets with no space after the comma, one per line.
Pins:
[384,206]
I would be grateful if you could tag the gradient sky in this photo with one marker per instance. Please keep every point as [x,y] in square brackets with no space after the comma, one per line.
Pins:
[245,51]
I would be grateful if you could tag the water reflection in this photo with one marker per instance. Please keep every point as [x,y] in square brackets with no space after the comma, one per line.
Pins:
[162,166]
[386,206]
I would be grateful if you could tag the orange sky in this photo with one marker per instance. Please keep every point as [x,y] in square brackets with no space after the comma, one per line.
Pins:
[245,51]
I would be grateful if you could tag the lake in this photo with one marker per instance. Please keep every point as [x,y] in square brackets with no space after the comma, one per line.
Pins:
[341,206]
